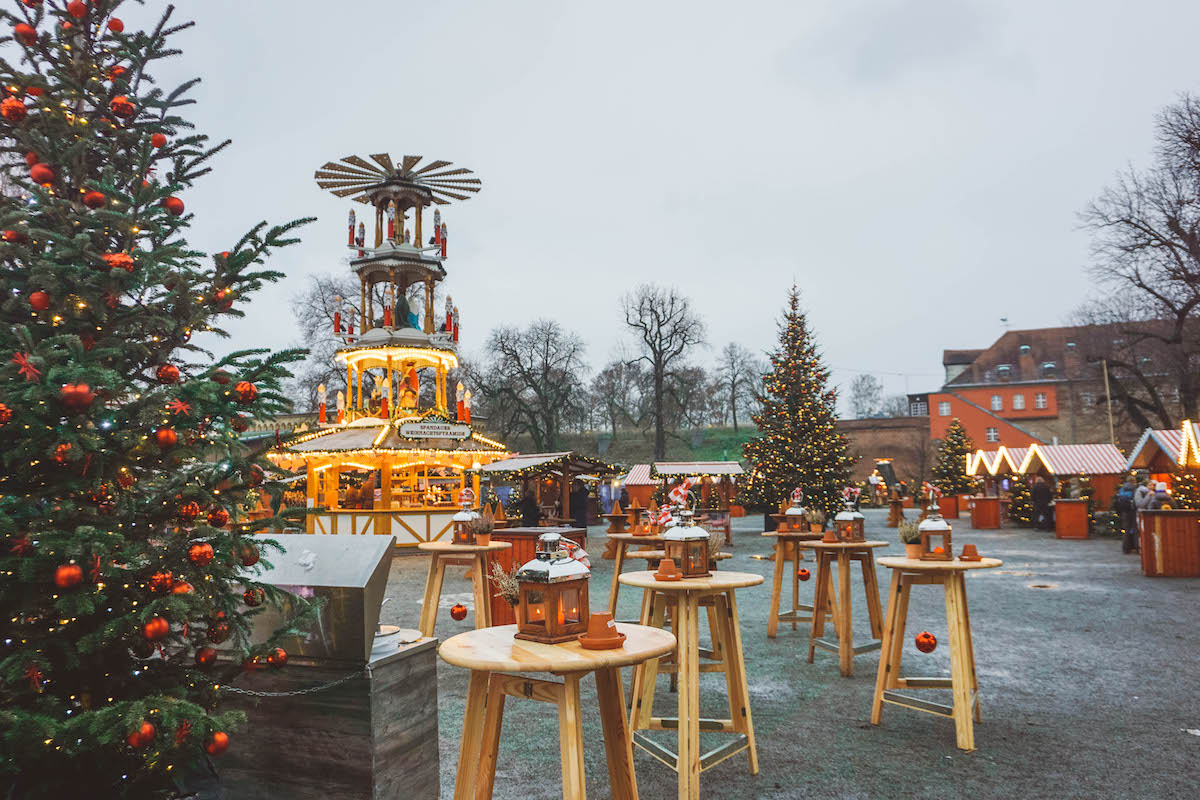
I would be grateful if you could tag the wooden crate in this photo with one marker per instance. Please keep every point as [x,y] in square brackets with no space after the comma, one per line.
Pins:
[1170,543]
[985,515]
[1071,520]
[524,545]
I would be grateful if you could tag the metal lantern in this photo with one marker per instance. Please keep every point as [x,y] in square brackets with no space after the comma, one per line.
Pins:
[462,531]
[848,525]
[687,545]
[553,605]
[794,517]
[934,528]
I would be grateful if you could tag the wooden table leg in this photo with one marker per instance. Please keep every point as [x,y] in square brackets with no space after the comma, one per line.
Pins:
[959,677]
[485,780]
[966,615]
[797,556]
[845,634]
[871,584]
[616,584]
[570,739]
[645,675]
[483,602]
[739,698]
[890,644]
[821,600]
[618,744]
[687,630]
[472,736]
[433,595]
[776,587]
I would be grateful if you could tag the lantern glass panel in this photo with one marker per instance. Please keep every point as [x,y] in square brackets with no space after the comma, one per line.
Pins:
[697,557]
[568,607]
[535,608]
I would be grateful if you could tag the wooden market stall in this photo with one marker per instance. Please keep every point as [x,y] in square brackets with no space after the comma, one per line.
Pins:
[989,509]
[716,482]
[549,476]
[1103,464]
[639,485]
[1170,540]
[1158,452]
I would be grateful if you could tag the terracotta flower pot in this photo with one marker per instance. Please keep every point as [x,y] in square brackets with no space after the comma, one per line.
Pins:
[483,538]
[815,528]
[667,570]
[912,550]
[602,633]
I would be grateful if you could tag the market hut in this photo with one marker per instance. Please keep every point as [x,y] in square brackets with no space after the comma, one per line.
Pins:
[1103,464]
[1158,452]
[1170,539]
[549,476]
[715,480]
[639,485]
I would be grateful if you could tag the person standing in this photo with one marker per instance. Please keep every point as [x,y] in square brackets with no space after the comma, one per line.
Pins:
[1041,497]
[1161,499]
[579,504]
[1127,513]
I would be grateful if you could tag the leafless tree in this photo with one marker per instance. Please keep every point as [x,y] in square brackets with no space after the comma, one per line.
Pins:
[894,405]
[666,330]
[866,396]
[533,381]
[616,390]
[736,371]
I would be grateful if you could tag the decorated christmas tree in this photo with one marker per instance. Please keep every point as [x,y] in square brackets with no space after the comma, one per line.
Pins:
[1185,491]
[125,544]
[1020,506]
[797,444]
[950,468]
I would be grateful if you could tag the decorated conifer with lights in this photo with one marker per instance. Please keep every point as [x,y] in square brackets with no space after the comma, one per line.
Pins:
[797,444]
[1020,505]
[124,541]
[950,469]
[1185,491]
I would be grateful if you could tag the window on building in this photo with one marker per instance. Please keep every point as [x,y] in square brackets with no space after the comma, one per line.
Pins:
[1039,400]
[1048,369]
[918,408]
[944,408]
[993,434]
[1004,371]
[1018,402]
[1087,399]
[997,403]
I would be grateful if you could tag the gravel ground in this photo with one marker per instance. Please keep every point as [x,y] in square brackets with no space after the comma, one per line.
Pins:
[1088,686]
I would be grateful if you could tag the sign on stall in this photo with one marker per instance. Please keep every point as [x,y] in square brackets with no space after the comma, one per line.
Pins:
[427,429]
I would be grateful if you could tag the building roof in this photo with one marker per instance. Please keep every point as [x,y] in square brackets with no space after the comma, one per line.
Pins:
[1045,345]
[684,469]
[958,357]
[568,462]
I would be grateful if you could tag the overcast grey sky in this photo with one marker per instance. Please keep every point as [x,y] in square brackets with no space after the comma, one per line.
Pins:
[916,166]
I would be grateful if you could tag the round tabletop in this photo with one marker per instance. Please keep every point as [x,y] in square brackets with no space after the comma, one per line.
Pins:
[794,534]
[718,582]
[497,650]
[634,537]
[921,565]
[660,554]
[450,547]
[843,545]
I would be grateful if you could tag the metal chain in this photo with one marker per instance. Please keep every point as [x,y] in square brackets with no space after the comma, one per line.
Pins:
[310,690]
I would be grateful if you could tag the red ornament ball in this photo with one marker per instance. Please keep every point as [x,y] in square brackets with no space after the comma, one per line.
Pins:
[245,392]
[35,91]
[77,9]
[218,743]
[218,631]
[94,199]
[39,301]
[76,397]
[14,237]
[116,72]
[162,581]
[6,414]
[239,424]
[926,642]
[122,107]
[116,26]
[26,33]
[167,373]
[41,173]
[256,475]
[166,438]
[141,736]
[248,554]
[156,628]
[68,576]
[174,206]
[206,657]
[803,574]
[125,479]
[218,517]
[31,159]
[254,597]
[158,140]
[182,587]
[458,611]
[200,554]
[118,261]
[277,658]
[13,109]
[62,453]
[221,377]
[189,511]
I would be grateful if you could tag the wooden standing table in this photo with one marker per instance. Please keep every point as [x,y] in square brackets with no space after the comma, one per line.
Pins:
[474,556]
[492,654]
[963,681]
[787,548]
[687,595]
[622,542]
[825,596]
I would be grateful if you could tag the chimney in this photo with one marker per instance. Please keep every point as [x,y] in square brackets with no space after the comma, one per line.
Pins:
[1025,364]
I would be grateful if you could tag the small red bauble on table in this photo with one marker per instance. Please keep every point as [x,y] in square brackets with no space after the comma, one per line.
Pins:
[248,554]
[218,517]
[156,628]
[68,576]
[62,453]
[94,199]
[26,33]
[77,9]
[162,581]
[116,26]
[218,743]
[39,301]
[158,140]
[200,554]
[122,107]
[188,511]
[277,658]
[245,392]
[254,597]
[76,397]
[458,612]
[13,109]
[118,261]
[926,642]
[141,736]
[174,206]
[167,373]
[42,174]
[166,438]
[803,574]
[206,657]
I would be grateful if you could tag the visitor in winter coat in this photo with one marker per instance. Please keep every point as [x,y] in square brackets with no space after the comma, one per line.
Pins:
[530,513]
[579,504]
[1141,497]
[1161,498]
[1127,512]
[1041,496]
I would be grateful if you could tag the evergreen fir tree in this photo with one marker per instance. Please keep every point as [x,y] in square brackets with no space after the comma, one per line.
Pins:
[1020,506]
[797,442]
[125,544]
[1185,491]
[950,469]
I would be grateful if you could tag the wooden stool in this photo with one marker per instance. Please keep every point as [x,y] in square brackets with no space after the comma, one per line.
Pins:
[474,556]
[716,592]
[963,682]
[826,596]
[622,542]
[492,652]
[787,549]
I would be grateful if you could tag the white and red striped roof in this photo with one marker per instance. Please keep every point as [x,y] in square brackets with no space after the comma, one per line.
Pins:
[1168,442]
[995,462]
[639,475]
[1077,459]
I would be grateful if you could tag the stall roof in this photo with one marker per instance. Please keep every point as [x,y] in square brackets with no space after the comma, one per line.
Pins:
[1170,442]
[683,469]
[993,461]
[1077,459]
[568,461]
[639,475]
